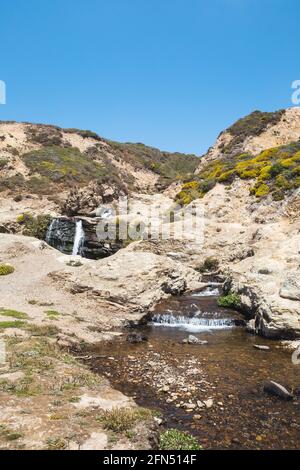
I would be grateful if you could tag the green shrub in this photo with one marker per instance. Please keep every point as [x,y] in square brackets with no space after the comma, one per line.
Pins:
[86,134]
[209,265]
[262,190]
[173,439]
[3,163]
[34,226]
[230,300]
[6,269]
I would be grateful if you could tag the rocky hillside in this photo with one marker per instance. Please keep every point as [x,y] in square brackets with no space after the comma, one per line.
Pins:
[254,133]
[263,148]
[78,169]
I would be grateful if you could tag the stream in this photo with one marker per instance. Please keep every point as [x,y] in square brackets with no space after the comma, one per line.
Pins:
[214,390]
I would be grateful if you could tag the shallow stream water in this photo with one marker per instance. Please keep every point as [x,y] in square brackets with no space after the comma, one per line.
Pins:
[214,391]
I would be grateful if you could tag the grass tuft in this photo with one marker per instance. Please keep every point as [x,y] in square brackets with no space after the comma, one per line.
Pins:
[173,439]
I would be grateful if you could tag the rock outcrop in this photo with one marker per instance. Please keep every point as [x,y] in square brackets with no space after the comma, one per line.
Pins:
[61,235]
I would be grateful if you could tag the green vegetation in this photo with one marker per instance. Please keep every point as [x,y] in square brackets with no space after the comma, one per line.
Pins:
[173,439]
[44,135]
[209,265]
[34,226]
[6,269]
[55,443]
[275,171]
[13,314]
[52,314]
[3,163]
[254,124]
[230,300]
[123,419]
[86,134]
[11,324]
[169,166]
[60,164]
[9,435]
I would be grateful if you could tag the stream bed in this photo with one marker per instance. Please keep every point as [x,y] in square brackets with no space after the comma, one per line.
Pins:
[214,390]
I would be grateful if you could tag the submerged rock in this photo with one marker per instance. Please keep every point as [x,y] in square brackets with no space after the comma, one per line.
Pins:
[135,338]
[261,347]
[277,390]
[194,340]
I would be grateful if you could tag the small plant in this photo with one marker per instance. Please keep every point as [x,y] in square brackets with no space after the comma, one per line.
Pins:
[173,439]
[230,300]
[3,163]
[52,314]
[8,434]
[123,419]
[13,436]
[55,443]
[209,265]
[11,324]
[6,269]
[13,313]
[74,264]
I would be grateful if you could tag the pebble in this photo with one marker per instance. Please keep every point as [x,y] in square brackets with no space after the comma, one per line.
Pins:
[261,347]
[200,404]
[189,406]
[209,403]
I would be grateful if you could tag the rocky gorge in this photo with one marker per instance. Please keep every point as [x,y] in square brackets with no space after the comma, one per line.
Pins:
[74,292]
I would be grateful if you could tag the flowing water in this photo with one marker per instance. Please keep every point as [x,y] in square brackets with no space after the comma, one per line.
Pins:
[215,391]
[79,238]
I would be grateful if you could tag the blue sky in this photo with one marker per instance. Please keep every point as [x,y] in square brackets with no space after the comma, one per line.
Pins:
[169,73]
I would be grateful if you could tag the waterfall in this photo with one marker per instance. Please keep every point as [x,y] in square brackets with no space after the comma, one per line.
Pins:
[192,323]
[79,238]
[210,291]
[50,231]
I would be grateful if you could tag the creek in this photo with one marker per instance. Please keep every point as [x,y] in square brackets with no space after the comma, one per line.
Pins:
[213,390]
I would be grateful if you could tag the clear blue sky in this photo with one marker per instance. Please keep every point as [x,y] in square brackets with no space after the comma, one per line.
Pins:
[169,73]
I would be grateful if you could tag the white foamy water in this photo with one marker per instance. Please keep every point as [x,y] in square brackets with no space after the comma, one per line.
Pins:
[208,292]
[194,324]
[79,238]
[50,231]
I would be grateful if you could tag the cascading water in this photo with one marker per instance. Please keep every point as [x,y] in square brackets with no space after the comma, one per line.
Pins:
[79,238]
[192,323]
[49,233]
[196,313]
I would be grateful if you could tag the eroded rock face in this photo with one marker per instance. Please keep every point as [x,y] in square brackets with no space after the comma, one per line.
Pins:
[136,280]
[84,201]
[272,316]
[291,287]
